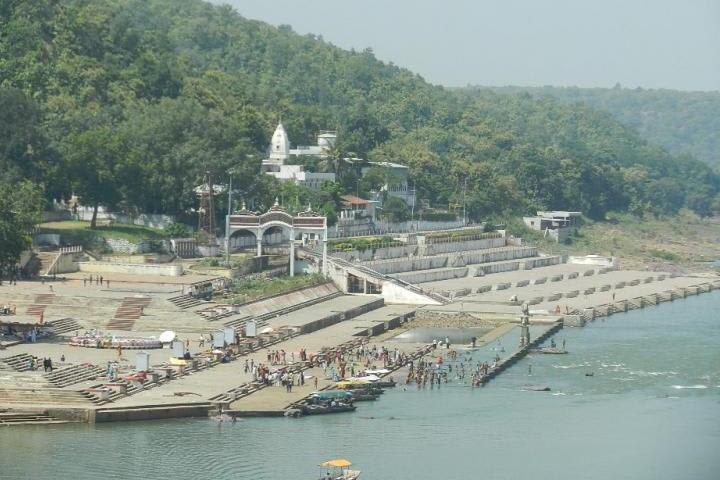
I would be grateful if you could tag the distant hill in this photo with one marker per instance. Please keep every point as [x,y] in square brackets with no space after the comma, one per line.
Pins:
[685,123]
[129,102]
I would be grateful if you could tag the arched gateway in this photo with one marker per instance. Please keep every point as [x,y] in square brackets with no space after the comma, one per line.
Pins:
[307,222]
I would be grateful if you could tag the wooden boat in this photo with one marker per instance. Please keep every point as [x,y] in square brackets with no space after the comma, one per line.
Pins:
[340,395]
[363,397]
[353,385]
[321,409]
[385,383]
[374,380]
[338,469]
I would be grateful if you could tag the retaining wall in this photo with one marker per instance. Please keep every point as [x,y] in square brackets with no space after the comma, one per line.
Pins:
[542,262]
[121,245]
[509,253]
[166,270]
[499,267]
[409,265]
[151,412]
[461,246]
[433,275]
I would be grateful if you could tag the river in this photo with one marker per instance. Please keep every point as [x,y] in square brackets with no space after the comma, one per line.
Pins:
[650,410]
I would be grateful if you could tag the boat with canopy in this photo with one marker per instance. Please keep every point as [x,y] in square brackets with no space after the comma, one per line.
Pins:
[338,469]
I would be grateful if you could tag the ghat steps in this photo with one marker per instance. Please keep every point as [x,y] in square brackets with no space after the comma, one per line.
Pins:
[12,417]
[41,302]
[19,362]
[73,374]
[129,311]
[64,325]
[185,301]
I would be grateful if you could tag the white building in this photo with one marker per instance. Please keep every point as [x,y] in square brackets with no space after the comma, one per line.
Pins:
[558,225]
[280,152]
[397,185]
[356,208]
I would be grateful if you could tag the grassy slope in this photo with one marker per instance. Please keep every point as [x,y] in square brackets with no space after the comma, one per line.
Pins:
[254,289]
[76,232]
[683,242]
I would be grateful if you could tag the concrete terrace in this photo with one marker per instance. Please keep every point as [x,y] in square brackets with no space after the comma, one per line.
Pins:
[576,293]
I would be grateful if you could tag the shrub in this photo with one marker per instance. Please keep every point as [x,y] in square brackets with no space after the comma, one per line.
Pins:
[177,230]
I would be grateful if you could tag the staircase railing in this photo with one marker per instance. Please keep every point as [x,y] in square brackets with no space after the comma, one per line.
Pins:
[380,276]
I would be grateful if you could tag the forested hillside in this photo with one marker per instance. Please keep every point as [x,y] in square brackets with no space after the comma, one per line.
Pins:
[685,123]
[128,102]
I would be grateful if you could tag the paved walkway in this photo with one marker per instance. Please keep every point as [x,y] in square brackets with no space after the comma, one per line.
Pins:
[274,399]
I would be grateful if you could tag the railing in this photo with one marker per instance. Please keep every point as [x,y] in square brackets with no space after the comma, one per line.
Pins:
[462,238]
[382,229]
[53,266]
[381,276]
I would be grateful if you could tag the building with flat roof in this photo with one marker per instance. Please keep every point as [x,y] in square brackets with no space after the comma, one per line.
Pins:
[557,224]
[397,183]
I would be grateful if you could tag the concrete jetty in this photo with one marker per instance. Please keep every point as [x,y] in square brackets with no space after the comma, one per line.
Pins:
[518,354]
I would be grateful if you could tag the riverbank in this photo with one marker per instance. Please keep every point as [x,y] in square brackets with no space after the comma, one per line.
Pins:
[559,294]
[684,243]
[630,419]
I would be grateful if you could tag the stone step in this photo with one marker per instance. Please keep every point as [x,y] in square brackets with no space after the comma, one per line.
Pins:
[41,396]
[19,362]
[45,298]
[18,417]
[121,324]
[185,301]
[40,421]
[64,325]
[261,320]
[35,309]
[74,374]
[128,312]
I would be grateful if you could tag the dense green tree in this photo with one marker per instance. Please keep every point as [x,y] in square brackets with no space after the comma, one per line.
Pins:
[395,210]
[21,204]
[94,160]
[682,122]
[191,87]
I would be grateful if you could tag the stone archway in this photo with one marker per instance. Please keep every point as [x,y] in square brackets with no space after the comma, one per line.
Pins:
[247,234]
[305,222]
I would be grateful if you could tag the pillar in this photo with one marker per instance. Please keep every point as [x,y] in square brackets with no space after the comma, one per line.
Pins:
[292,252]
[365,285]
[259,242]
[324,256]
[227,239]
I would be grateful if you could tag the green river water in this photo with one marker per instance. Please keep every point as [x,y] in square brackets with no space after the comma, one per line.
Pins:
[651,410]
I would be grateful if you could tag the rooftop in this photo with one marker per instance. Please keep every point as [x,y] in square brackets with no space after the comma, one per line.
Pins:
[353,200]
[389,164]
[558,213]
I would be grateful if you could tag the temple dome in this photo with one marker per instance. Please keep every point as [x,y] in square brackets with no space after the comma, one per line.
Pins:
[280,144]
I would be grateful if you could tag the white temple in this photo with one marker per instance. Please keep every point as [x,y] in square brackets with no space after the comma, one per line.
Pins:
[279,153]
